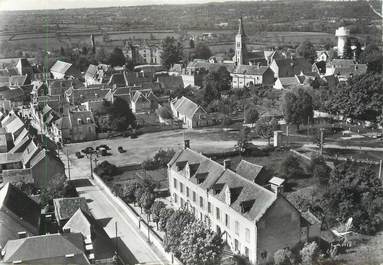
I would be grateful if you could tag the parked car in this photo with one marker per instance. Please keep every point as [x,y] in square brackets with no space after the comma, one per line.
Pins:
[121,149]
[88,150]
[106,147]
[103,151]
[79,155]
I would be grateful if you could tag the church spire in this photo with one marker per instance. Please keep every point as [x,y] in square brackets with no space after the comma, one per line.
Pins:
[241,31]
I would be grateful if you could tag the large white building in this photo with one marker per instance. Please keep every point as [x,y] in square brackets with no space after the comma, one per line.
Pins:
[254,220]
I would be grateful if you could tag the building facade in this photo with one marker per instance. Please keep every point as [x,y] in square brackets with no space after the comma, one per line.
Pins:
[253,221]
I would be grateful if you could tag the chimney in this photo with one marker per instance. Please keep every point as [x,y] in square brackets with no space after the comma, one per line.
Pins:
[186,144]
[227,163]
[22,234]
[276,184]
[66,230]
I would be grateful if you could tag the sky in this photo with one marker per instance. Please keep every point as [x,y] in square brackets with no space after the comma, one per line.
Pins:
[57,4]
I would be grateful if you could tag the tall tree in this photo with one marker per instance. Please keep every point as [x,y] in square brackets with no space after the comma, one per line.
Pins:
[117,57]
[360,98]
[355,191]
[172,52]
[251,114]
[121,115]
[298,107]
[202,51]
[306,50]
[200,245]
[155,210]
[373,57]
[265,128]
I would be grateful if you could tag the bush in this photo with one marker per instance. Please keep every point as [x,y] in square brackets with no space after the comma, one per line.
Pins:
[106,169]
[160,159]
[309,253]
[283,257]
[320,170]
[290,168]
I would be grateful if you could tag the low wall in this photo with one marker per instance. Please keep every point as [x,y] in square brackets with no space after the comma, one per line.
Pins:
[155,239]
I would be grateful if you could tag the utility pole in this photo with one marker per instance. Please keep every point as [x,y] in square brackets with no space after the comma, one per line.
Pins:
[321,141]
[67,156]
[91,165]
[116,239]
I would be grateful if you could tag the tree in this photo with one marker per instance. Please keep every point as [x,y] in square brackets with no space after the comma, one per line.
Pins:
[121,115]
[128,192]
[202,51]
[243,141]
[200,245]
[290,168]
[160,159]
[172,52]
[265,127]
[117,57]
[155,210]
[146,200]
[320,170]
[373,57]
[165,112]
[53,189]
[297,107]
[191,44]
[309,253]
[101,56]
[306,50]
[360,98]
[251,114]
[283,257]
[355,191]
[175,226]
[139,190]
[165,214]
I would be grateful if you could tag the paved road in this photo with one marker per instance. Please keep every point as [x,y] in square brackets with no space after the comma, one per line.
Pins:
[336,146]
[138,250]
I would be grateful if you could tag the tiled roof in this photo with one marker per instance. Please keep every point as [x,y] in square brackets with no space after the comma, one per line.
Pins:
[250,69]
[249,170]
[47,249]
[17,202]
[171,82]
[186,107]
[17,175]
[66,207]
[60,67]
[18,80]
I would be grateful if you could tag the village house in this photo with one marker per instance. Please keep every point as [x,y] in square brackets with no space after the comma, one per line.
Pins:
[290,67]
[245,75]
[191,114]
[143,101]
[144,53]
[254,221]
[19,214]
[97,74]
[65,208]
[344,69]
[24,67]
[74,126]
[77,96]
[66,248]
[64,70]
[19,80]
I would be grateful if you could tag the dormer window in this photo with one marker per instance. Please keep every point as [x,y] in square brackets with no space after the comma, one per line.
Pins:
[79,121]
[246,206]
[217,188]
[88,120]
[201,177]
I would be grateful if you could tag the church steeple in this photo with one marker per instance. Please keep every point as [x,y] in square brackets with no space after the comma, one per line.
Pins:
[240,56]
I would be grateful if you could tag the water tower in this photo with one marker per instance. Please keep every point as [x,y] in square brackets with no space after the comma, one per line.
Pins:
[342,34]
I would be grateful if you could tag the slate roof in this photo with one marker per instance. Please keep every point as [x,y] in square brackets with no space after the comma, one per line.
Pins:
[87,225]
[80,115]
[289,81]
[211,67]
[25,213]
[186,107]
[144,95]
[6,158]
[136,79]
[42,154]
[18,80]
[66,207]
[47,249]
[29,152]
[170,82]
[291,67]
[15,125]
[250,69]
[249,170]
[78,96]
[246,197]
[63,123]
[21,142]
[14,176]
[14,94]
[117,79]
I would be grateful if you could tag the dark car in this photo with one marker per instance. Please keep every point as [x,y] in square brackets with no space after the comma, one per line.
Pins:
[88,150]
[121,149]
[79,155]
[103,151]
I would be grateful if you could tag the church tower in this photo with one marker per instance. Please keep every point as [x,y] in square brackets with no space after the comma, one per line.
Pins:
[240,56]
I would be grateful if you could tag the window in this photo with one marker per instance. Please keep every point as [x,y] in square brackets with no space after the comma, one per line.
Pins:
[200,216]
[181,187]
[209,207]
[175,183]
[236,244]
[193,210]
[236,227]
[247,234]
[246,252]
[227,221]
[175,198]
[194,196]
[200,201]
[217,213]
[187,192]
